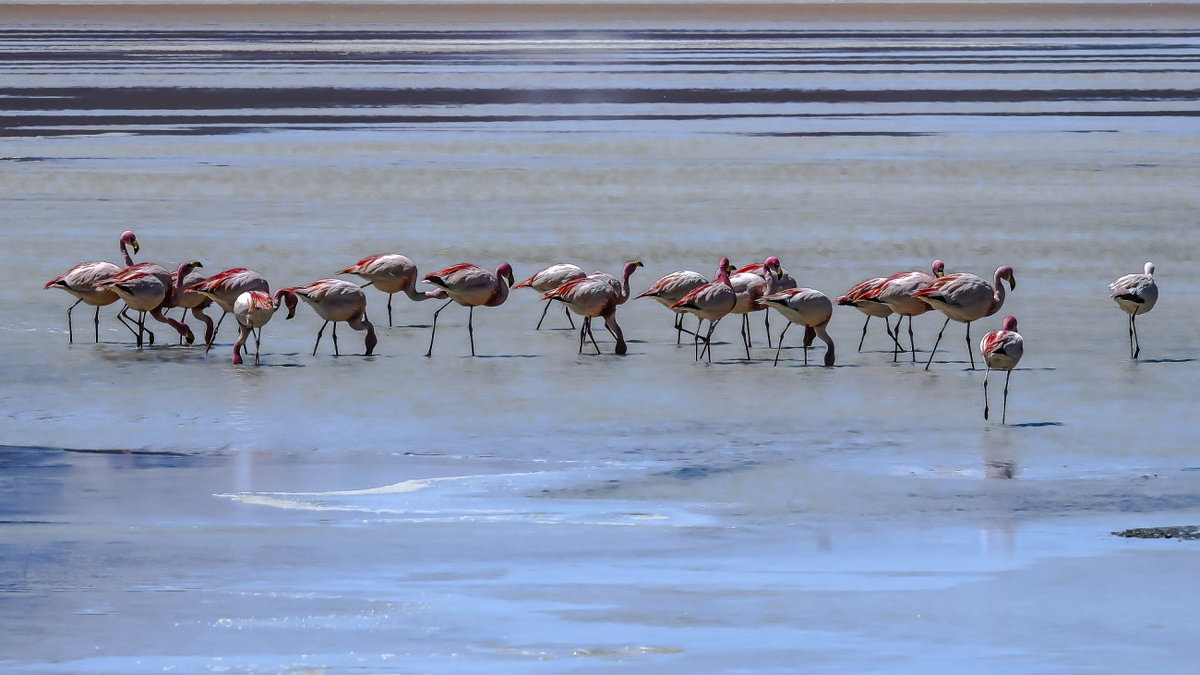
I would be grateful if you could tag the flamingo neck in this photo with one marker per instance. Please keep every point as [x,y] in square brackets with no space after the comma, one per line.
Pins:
[998,295]
[125,252]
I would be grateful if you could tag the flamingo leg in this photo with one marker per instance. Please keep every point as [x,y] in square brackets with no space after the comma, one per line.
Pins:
[712,325]
[95,321]
[912,345]
[127,322]
[434,331]
[257,343]
[779,346]
[214,332]
[1137,350]
[588,322]
[864,333]
[678,329]
[1004,411]
[767,327]
[746,334]
[936,343]
[71,330]
[390,309]
[894,332]
[471,328]
[582,335]
[319,333]
[544,310]
[970,352]
[985,396]
[335,344]
[696,339]
[141,328]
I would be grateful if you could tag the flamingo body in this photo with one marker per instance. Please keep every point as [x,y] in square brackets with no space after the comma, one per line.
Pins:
[83,281]
[337,300]
[1136,294]
[1001,350]
[596,296]
[253,309]
[391,273]
[809,308]
[471,286]
[965,298]
[711,302]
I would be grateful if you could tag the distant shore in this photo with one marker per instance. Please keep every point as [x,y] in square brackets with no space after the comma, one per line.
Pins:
[1134,14]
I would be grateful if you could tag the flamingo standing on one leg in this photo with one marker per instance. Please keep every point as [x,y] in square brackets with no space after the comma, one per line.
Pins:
[1001,350]
[964,298]
[898,293]
[809,308]
[253,309]
[857,297]
[470,286]
[146,288]
[338,300]
[712,301]
[594,296]
[1136,294]
[671,289]
[391,273]
[549,279]
[224,289]
[82,280]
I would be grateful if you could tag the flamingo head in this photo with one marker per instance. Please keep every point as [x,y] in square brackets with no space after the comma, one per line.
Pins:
[1006,272]
[187,267]
[505,271]
[772,265]
[128,238]
[1149,268]
[1009,324]
[287,297]
[631,266]
[939,269]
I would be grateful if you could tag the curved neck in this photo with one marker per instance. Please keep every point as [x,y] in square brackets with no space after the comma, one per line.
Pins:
[125,252]
[723,276]
[998,295]
[629,269]
[501,292]
[410,289]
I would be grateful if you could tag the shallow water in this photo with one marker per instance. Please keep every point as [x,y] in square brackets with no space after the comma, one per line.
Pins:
[536,508]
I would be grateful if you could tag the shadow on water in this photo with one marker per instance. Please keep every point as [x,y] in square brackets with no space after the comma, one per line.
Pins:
[1165,361]
[1025,425]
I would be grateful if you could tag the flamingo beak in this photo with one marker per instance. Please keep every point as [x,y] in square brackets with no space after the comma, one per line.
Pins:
[1012,281]
[196,263]
[136,248]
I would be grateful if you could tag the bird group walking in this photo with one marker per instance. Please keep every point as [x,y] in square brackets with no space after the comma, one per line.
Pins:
[150,290]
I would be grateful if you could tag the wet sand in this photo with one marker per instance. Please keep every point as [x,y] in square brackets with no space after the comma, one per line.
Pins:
[533,508]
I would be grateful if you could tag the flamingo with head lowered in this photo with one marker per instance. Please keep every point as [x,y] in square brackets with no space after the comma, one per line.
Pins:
[596,296]
[253,309]
[391,273]
[147,288]
[670,289]
[809,308]
[965,298]
[224,288]
[470,286]
[337,300]
[898,294]
[82,281]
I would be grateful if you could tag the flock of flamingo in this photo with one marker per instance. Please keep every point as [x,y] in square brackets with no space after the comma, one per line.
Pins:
[149,288]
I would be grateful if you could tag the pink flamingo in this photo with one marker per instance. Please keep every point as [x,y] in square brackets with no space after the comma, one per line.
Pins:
[470,286]
[712,302]
[225,287]
[146,288]
[391,273]
[191,300]
[965,298]
[858,298]
[670,289]
[549,279]
[82,280]
[809,308]
[338,300]
[594,296]
[777,278]
[1136,294]
[253,309]
[898,293]
[1001,350]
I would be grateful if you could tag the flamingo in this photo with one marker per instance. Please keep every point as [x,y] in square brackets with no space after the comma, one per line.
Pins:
[1001,350]
[748,287]
[391,273]
[964,298]
[898,293]
[253,309]
[1136,294]
[470,286]
[337,300]
[594,296]
[549,279]
[146,288]
[712,301]
[82,280]
[809,308]
[670,289]
[858,298]
[225,287]
[197,303]
[777,278]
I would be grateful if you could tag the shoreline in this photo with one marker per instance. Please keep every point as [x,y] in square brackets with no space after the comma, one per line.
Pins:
[325,13]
